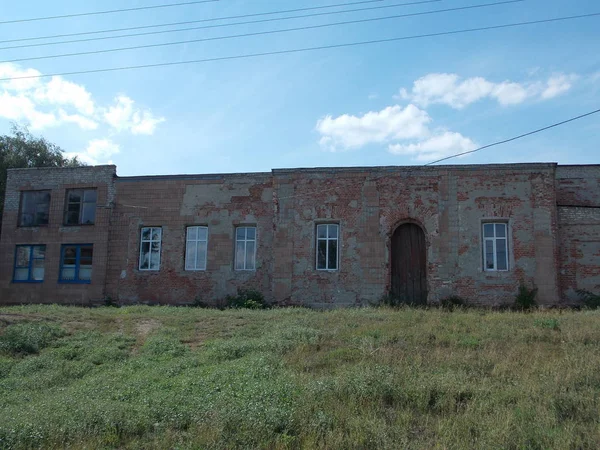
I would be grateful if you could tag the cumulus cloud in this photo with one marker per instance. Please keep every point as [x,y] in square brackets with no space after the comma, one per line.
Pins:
[51,103]
[392,123]
[97,152]
[123,116]
[404,131]
[437,146]
[558,84]
[456,92]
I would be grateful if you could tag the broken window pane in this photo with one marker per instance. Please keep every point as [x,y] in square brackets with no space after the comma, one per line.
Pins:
[35,208]
[250,246]
[322,254]
[501,255]
[332,261]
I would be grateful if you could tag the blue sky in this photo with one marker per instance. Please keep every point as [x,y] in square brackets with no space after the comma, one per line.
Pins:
[396,103]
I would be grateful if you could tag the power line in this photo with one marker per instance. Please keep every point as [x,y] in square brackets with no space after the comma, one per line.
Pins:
[516,137]
[308,194]
[420,2]
[302,50]
[111,11]
[260,33]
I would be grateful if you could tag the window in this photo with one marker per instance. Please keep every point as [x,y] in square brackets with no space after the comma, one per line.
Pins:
[327,246]
[76,263]
[245,248]
[29,263]
[495,247]
[35,208]
[81,207]
[195,249]
[150,248]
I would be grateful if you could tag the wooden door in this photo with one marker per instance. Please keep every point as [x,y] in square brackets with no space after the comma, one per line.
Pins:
[409,265]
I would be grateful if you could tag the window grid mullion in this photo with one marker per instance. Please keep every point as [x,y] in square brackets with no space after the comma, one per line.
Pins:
[80,219]
[30,274]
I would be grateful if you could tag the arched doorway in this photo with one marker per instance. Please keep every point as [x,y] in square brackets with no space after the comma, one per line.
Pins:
[409,265]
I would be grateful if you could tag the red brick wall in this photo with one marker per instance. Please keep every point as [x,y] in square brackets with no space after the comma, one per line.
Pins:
[55,234]
[579,251]
[449,203]
[219,202]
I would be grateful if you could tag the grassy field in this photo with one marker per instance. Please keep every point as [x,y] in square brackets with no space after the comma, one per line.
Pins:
[142,377]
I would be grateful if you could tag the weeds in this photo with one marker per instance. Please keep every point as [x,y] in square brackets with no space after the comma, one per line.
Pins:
[525,299]
[293,378]
[246,298]
[589,299]
[28,338]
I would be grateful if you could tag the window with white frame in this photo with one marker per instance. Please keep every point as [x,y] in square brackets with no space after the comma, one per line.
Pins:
[150,244]
[328,246]
[195,248]
[245,248]
[495,246]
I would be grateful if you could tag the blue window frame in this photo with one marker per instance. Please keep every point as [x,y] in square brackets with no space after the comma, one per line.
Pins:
[76,263]
[29,264]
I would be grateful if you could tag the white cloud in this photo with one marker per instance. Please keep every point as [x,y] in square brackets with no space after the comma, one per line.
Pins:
[392,123]
[452,90]
[60,92]
[123,116]
[51,103]
[558,84]
[98,151]
[438,146]
[19,107]
[404,131]
[83,122]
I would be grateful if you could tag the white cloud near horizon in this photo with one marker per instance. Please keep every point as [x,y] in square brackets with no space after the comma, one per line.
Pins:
[392,123]
[97,152]
[123,116]
[452,90]
[57,102]
[404,131]
[444,144]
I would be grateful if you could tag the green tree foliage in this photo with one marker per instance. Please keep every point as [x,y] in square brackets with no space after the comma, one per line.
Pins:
[21,149]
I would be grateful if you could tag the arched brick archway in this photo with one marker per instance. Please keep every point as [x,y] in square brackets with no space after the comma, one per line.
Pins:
[409,264]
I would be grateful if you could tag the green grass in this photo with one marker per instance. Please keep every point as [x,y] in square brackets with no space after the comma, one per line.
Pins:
[156,378]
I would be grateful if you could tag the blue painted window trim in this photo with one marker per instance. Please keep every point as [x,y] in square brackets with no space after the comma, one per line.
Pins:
[77,263]
[30,267]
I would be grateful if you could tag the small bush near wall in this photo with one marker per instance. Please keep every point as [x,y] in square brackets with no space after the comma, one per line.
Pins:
[246,298]
[28,338]
[589,299]
[525,299]
[395,301]
[453,302]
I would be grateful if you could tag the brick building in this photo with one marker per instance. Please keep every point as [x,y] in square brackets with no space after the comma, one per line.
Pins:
[314,237]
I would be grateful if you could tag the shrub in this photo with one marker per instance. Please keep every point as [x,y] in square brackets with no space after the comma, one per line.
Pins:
[28,338]
[110,303]
[525,299]
[246,298]
[551,324]
[589,299]
[393,300]
[452,302]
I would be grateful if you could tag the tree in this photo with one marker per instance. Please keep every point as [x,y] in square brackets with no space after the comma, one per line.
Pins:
[22,150]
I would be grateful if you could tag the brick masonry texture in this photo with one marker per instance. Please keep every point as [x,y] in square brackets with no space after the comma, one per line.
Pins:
[552,212]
